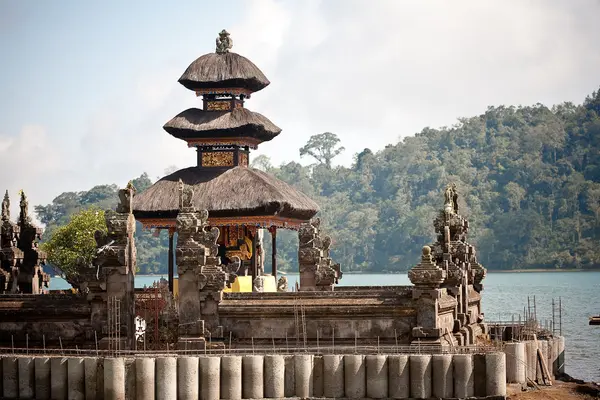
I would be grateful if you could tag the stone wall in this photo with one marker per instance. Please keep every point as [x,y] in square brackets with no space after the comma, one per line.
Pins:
[257,376]
[387,313]
[34,319]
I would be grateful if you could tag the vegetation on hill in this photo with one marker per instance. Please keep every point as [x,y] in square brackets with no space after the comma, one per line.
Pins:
[529,179]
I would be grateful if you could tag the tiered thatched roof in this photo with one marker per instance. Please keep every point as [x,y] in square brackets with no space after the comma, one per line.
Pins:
[223,70]
[241,122]
[240,191]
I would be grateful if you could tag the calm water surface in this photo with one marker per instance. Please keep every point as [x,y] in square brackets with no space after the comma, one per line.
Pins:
[504,296]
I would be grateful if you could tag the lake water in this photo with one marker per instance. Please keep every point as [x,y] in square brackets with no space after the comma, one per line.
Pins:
[504,296]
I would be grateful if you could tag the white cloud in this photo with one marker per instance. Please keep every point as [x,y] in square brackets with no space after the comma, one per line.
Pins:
[27,161]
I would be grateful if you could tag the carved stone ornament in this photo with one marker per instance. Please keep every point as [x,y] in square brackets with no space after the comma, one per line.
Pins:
[224,42]
[427,274]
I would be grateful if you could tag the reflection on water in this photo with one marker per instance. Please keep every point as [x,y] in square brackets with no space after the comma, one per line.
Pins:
[505,295]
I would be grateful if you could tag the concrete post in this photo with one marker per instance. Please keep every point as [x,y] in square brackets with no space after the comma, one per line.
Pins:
[495,367]
[544,347]
[420,376]
[377,376]
[479,375]
[187,378]
[303,366]
[210,378]
[10,377]
[76,379]
[231,377]
[333,376]
[463,375]
[90,368]
[399,378]
[561,355]
[274,376]
[166,378]
[144,378]
[26,377]
[516,363]
[114,379]
[290,377]
[531,356]
[354,376]
[42,378]
[443,381]
[318,376]
[58,378]
[253,377]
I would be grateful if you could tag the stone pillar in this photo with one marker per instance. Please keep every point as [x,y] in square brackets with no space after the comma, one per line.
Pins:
[114,280]
[443,381]
[201,278]
[58,378]
[10,378]
[76,378]
[427,278]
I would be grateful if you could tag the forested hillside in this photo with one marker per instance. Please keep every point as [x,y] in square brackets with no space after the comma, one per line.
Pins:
[529,179]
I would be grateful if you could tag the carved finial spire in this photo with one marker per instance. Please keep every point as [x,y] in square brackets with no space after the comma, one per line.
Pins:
[24,205]
[185,195]
[6,207]
[224,42]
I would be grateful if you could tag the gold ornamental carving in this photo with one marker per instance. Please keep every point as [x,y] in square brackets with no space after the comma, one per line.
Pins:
[218,105]
[243,159]
[217,159]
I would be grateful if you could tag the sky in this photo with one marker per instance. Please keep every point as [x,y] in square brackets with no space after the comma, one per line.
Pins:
[87,86]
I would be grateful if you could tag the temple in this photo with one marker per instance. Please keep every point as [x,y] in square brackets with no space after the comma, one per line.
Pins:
[218,208]
[240,200]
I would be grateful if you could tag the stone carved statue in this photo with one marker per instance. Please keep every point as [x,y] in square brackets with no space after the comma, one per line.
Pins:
[317,270]
[451,199]
[224,42]
[282,284]
[185,197]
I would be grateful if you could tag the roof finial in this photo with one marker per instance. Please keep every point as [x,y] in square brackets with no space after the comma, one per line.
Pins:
[224,42]
[6,207]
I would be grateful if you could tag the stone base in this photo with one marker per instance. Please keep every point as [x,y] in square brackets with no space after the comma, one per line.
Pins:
[191,343]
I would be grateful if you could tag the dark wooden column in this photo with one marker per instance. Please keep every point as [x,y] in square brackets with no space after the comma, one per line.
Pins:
[254,260]
[171,259]
[273,231]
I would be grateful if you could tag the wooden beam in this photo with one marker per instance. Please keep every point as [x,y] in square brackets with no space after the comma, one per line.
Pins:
[171,260]
[273,231]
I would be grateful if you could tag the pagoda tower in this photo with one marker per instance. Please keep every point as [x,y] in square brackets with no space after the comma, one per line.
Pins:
[239,199]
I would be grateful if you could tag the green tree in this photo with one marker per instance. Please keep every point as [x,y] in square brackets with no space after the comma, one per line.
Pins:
[72,246]
[323,147]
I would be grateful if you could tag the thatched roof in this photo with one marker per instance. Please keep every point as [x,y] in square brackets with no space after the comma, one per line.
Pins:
[225,70]
[241,122]
[239,191]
